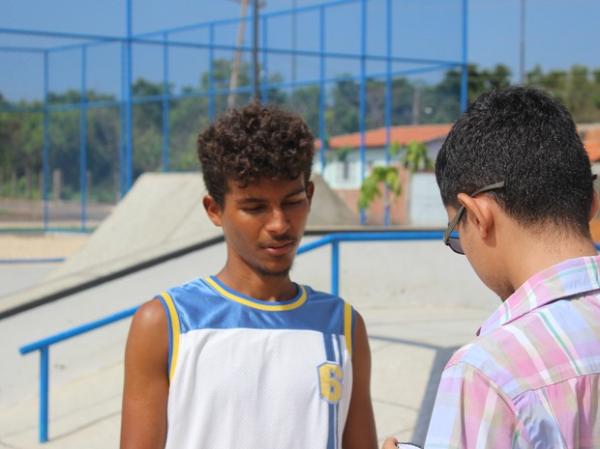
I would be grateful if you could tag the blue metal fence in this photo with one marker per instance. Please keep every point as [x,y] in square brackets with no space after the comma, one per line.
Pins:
[171,39]
[334,239]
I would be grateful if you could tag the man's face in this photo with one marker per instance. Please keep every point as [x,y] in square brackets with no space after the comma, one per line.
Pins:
[263,223]
[483,256]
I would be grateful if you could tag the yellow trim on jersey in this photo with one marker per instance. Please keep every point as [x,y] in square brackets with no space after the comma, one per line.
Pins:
[348,327]
[175,330]
[268,306]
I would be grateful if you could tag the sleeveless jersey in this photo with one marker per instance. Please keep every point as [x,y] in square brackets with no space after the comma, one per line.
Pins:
[252,374]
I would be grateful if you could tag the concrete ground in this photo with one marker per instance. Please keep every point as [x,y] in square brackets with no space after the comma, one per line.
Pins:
[419,300]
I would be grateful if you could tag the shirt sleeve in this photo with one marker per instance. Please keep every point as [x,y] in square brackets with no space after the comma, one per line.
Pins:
[470,412]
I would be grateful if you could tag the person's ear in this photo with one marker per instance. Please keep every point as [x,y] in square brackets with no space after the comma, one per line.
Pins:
[310,191]
[479,213]
[213,210]
[595,206]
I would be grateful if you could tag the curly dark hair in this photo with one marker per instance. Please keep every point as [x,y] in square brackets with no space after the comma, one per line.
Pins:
[252,143]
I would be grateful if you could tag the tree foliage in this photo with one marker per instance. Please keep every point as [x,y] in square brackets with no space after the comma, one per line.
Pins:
[413,102]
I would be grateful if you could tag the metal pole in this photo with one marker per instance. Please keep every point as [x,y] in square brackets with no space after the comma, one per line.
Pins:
[211,80]
[388,105]
[294,39]
[335,267]
[464,85]
[83,138]
[123,136]
[264,91]
[363,96]
[46,144]
[522,45]
[44,377]
[165,105]
[255,64]
[128,102]
[322,90]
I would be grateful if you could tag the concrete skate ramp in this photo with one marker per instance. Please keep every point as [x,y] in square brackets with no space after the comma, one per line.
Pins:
[328,209]
[161,215]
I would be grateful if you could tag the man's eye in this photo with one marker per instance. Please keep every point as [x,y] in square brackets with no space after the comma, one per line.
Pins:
[253,209]
[293,203]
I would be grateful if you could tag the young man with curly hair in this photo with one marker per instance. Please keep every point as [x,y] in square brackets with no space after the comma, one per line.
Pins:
[518,189]
[247,358]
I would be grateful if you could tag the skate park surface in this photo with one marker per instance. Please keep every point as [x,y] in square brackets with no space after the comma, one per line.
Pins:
[419,300]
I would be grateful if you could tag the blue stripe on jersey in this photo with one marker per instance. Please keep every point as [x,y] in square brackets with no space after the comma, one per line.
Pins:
[199,306]
[330,354]
[339,348]
[337,404]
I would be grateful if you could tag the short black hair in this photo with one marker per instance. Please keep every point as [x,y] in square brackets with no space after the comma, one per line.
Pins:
[527,139]
[253,143]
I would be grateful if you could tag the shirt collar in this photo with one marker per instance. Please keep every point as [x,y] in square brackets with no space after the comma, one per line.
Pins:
[569,278]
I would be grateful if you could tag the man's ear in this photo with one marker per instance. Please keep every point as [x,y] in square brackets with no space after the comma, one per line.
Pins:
[310,191]
[479,212]
[213,210]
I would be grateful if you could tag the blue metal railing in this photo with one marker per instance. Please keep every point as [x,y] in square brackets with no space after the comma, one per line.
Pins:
[334,239]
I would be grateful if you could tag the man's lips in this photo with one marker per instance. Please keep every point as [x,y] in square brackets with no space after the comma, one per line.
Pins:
[279,248]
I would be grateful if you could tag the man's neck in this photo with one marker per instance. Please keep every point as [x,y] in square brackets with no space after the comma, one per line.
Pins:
[531,253]
[257,285]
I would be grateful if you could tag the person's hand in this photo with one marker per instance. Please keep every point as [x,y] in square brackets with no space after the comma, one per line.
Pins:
[389,443]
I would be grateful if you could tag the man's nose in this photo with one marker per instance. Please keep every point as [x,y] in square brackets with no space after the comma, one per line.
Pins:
[278,222]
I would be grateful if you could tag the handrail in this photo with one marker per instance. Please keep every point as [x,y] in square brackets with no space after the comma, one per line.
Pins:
[43,345]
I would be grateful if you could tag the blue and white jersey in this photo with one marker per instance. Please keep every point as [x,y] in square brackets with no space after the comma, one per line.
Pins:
[252,374]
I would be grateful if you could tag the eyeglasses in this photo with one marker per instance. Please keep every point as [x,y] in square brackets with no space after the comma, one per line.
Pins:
[451,237]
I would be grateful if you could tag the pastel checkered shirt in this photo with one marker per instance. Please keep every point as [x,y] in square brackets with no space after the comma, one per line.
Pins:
[532,377]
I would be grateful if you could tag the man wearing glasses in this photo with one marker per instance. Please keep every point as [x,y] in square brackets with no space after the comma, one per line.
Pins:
[518,189]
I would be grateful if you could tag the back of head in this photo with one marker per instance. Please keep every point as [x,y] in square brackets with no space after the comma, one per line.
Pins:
[252,143]
[528,140]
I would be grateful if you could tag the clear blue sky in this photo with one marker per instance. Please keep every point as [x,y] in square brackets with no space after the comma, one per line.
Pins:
[560,33]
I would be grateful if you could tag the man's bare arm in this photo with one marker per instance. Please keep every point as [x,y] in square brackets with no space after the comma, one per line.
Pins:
[360,430]
[144,415]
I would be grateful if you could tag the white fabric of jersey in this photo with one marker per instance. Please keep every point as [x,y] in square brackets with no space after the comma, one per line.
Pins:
[252,374]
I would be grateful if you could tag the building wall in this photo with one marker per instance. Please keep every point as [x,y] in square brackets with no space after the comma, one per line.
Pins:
[346,174]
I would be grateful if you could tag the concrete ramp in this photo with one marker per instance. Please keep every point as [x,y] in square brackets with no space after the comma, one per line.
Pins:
[162,214]
[328,209]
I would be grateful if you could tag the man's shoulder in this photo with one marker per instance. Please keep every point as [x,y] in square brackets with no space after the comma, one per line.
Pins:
[193,287]
[498,356]
[318,295]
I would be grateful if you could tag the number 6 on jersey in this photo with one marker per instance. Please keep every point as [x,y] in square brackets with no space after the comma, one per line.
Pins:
[330,381]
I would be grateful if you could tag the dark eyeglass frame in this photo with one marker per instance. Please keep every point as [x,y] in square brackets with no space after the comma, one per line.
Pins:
[451,237]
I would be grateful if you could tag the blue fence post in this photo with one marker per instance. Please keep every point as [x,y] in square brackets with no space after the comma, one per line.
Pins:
[264,89]
[44,375]
[335,266]
[165,104]
[211,81]
[363,96]
[46,144]
[83,139]
[128,99]
[388,104]
[464,79]
[322,90]
[123,134]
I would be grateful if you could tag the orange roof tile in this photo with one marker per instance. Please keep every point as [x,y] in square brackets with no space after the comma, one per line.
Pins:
[375,138]
[591,142]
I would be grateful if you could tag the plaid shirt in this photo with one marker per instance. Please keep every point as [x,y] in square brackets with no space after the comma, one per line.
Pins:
[532,377]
